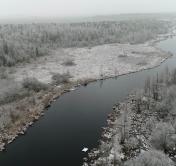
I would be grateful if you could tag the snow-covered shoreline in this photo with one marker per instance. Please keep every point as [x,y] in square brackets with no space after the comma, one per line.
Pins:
[90,65]
[111,133]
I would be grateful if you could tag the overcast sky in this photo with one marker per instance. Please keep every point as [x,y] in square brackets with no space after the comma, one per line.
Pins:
[67,8]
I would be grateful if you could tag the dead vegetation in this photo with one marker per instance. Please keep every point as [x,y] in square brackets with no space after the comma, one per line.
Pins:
[69,62]
[142,63]
[61,78]
[3,73]
[151,158]
[32,84]
[13,95]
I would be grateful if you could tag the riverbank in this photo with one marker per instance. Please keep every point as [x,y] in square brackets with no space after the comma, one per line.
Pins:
[16,117]
[133,130]
[144,123]
[147,116]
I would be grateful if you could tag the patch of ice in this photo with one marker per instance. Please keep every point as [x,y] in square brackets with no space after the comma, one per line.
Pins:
[84,149]
[72,89]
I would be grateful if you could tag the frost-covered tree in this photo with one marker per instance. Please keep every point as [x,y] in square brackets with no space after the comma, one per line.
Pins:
[147,86]
[150,158]
[20,42]
[123,125]
[162,137]
[138,100]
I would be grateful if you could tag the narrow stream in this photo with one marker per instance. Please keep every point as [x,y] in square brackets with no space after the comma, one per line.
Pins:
[74,121]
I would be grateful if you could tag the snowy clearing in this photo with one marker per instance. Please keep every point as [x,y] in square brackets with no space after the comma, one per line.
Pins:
[92,63]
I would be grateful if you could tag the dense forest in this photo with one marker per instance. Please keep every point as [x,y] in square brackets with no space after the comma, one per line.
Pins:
[21,42]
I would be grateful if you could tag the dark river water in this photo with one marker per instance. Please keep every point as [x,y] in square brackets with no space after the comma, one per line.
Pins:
[74,121]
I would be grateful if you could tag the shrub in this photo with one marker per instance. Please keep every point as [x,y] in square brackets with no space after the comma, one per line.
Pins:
[142,63]
[14,116]
[123,56]
[3,73]
[61,78]
[163,108]
[150,158]
[162,137]
[13,95]
[131,144]
[69,62]
[32,84]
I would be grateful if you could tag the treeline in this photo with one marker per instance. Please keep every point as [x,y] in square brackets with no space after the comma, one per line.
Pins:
[22,42]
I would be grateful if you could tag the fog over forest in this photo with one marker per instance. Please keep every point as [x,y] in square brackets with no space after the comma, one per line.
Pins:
[69,8]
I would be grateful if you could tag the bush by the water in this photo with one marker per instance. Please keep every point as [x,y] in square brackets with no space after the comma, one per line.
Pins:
[32,84]
[21,42]
[61,78]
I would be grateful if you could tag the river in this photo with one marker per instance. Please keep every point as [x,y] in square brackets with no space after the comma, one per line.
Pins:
[75,120]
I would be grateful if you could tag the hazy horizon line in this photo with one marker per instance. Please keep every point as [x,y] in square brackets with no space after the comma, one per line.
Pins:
[69,18]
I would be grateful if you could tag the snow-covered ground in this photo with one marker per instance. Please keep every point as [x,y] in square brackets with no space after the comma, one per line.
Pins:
[87,64]
[92,63]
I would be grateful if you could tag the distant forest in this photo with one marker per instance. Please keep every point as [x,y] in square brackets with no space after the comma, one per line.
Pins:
[21,42]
